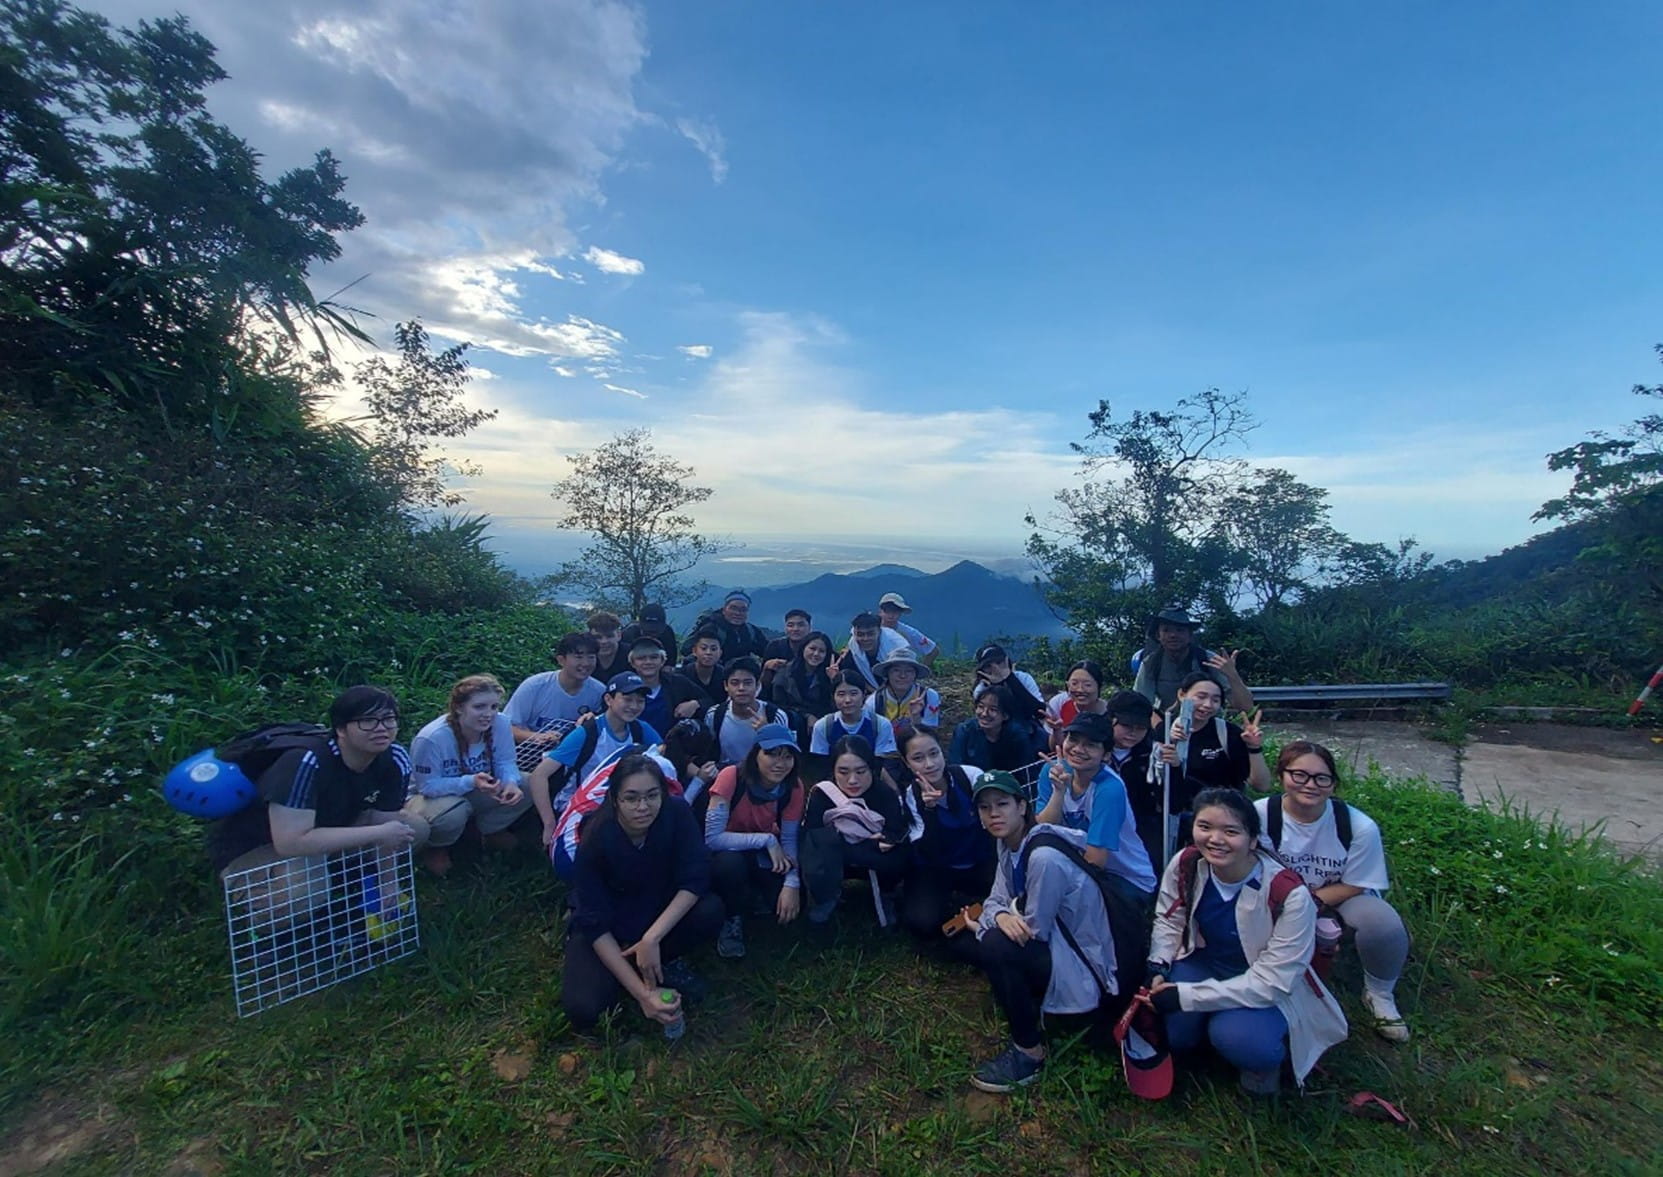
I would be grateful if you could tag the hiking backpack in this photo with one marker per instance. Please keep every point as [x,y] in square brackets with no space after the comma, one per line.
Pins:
[254,752]
[1129,911]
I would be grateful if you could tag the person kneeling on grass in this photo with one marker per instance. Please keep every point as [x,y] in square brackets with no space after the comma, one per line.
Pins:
[1336,849]
[754,815]
[1043,933]
[1230,955]
[641,901]
[462,767]
[855,824]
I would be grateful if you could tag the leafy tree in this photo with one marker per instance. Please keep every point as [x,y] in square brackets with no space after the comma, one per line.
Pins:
[139,245]
[1281,542]
[1617,488]
[1123,546]
[633,500]
[418,400]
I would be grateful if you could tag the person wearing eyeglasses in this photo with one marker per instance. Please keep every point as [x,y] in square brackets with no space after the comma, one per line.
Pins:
[344,792]
[1337,850]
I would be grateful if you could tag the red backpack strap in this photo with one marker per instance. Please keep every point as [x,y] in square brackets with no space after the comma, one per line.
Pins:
[1282,884]
[1189,867]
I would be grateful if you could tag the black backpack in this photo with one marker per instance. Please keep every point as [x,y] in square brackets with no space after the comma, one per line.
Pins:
[1131,913]
[256,751]
[1342,821]
[718,715]
[591,740]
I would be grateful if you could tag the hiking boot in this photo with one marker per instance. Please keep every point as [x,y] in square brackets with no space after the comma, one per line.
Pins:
[1262,1082]
[730,945]
[679,975]
[1007,1071]
[1388,1023]
[436,861]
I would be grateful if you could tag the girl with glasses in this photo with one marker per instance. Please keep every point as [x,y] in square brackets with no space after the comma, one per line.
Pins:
[1337,850]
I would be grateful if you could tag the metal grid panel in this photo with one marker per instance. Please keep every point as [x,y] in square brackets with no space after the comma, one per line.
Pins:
[528,755]
[298,925]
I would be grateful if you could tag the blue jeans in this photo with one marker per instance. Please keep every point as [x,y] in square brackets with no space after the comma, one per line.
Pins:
[1249,1039]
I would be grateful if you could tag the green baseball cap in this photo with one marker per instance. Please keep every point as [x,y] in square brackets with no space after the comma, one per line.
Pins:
[1001,781]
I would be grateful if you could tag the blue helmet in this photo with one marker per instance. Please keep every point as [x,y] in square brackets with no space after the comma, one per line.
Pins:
[1137,661]
[203,785]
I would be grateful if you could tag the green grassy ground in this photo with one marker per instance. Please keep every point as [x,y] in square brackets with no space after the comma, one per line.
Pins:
[850,1057]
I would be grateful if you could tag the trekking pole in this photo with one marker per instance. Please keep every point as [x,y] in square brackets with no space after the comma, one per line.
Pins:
[1656,681]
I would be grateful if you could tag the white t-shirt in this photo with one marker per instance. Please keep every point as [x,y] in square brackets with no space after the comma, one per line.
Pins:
[540,700]
[915,638]
[1314,849]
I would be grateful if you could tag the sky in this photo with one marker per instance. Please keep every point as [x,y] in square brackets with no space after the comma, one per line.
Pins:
[867,266]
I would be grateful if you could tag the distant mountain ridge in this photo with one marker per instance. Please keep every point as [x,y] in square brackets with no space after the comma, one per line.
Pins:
[959,607]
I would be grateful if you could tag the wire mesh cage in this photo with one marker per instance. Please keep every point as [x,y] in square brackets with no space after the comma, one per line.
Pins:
[529,753]
[298,925]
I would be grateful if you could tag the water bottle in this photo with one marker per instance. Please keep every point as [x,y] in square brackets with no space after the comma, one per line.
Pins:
[673,1030]
[1328,945]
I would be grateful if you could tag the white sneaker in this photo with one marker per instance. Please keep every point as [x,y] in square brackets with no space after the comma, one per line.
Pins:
[1388,1023]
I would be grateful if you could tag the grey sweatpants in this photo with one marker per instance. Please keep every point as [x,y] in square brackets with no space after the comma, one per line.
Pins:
[1382,940]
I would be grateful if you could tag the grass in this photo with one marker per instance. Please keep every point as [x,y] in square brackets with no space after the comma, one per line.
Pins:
[853,1057]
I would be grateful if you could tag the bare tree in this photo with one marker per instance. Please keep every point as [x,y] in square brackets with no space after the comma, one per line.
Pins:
[633,500]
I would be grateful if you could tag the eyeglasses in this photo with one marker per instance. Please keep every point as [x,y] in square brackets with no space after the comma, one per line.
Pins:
[1299,776]
[640,798]
[373,723]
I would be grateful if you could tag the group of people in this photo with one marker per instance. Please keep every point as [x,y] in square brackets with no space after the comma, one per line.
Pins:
[1077,849]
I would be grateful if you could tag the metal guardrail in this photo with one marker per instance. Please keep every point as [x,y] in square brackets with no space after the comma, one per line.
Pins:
[1350,692]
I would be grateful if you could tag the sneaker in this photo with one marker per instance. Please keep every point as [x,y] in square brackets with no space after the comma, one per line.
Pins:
[679,975]
[730,945]
[1262,1082]
[1388,1023]
[1007,1071]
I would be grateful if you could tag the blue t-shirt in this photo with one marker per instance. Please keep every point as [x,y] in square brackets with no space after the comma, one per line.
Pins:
[1221,953]
[1104,814]
[606,744]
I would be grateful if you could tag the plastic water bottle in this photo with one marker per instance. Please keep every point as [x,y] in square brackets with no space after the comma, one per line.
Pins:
[1328,945]
[673,1030]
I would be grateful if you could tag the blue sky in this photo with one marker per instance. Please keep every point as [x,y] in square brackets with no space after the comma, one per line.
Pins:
[867,266]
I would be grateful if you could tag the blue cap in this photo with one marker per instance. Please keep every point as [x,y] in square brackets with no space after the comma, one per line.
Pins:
[774,735]
[628,682]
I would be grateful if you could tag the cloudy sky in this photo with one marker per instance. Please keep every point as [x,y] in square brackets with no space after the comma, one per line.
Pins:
[868,265]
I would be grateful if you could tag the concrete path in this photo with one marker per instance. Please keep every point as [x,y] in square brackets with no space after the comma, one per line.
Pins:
[1583,775]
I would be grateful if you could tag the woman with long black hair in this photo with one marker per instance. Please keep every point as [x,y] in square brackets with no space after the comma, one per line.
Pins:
[641,901]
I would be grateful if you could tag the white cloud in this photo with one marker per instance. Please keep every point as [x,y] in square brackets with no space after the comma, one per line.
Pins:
[707,137]
[608,262]
[640,396]
[696,351]
[563,370]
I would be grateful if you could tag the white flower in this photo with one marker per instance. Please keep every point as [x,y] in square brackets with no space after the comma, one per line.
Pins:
[1550,982]
[1500,890]
[1434,870]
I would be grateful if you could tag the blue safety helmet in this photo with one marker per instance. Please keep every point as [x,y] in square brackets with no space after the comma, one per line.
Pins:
[203,785]
[1137,661]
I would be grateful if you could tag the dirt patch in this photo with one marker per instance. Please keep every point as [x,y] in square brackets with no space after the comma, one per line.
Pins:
[1611,743]
[54,1130]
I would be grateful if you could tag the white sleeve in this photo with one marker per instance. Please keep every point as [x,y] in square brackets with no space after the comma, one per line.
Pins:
[1053,709]
[1365,863]
[932,709]
[522,703]
[818,745]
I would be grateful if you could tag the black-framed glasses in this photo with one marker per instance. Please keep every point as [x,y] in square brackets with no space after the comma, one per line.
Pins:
[1299,776]
[373,723]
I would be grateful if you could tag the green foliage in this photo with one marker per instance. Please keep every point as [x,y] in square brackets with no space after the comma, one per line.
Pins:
[418,400]
[633,500]
[1546,910]
[138,242]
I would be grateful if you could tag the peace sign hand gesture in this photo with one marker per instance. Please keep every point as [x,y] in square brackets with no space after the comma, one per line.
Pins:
[1251,734]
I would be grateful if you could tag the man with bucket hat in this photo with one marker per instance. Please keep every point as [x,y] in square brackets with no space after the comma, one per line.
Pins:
[1172,652]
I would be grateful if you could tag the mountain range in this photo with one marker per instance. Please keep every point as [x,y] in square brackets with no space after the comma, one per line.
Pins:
[960,607]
